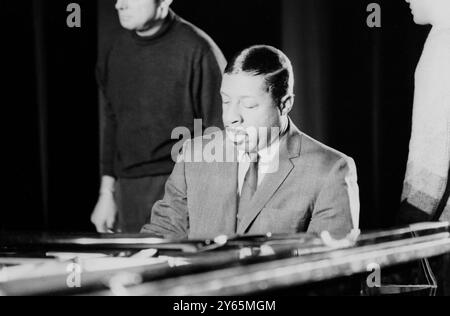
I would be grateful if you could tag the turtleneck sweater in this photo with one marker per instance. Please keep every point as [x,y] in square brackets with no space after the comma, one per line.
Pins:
[151,86]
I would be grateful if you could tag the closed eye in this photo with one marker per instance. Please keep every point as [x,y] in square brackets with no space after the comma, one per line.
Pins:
[249,105]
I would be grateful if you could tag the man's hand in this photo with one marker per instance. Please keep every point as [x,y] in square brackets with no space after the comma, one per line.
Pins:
[105,212]
[104,215]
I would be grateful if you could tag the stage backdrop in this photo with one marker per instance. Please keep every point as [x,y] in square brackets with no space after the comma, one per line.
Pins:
[354,92]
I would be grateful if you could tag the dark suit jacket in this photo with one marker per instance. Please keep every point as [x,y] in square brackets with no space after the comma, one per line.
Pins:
[314,190]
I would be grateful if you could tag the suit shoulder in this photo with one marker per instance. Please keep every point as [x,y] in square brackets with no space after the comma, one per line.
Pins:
[324,156]
[313,146]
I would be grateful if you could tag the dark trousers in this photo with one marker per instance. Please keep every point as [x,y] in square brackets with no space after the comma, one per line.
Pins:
[135,199]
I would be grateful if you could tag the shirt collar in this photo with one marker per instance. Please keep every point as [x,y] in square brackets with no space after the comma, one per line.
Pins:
[268,153]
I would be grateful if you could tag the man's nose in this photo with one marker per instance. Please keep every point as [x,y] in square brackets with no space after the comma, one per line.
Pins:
[232,115]
[121,4]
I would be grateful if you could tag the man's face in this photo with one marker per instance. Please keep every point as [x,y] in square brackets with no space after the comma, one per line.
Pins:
[135,15]
[422,10]
[249,112]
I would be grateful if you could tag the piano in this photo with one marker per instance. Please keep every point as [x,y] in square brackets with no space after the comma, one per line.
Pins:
[413,260]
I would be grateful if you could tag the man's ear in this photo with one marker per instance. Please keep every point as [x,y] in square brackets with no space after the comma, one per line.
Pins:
[286,104]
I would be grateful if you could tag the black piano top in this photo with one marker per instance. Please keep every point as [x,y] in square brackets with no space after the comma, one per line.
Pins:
[234,266]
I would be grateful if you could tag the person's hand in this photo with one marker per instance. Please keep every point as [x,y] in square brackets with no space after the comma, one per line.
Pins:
[105,212]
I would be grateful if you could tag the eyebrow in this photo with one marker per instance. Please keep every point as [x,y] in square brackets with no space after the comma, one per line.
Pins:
[240,97]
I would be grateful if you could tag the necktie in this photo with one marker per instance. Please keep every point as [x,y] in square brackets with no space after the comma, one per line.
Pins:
[249,187]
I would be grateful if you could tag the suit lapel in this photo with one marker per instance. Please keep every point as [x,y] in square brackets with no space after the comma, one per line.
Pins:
[290,146]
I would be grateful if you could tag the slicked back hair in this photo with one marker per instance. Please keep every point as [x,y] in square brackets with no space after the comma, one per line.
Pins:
[270,63]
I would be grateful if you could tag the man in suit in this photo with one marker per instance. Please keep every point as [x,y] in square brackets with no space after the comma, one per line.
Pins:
[266,175]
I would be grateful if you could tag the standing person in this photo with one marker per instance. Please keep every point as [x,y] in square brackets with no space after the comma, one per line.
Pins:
[162,73]
[426,188]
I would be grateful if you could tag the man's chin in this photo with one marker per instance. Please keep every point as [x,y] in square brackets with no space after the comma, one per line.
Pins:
[128,26]
[420,21]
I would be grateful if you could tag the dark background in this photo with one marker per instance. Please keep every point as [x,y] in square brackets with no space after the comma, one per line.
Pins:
[354,92]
